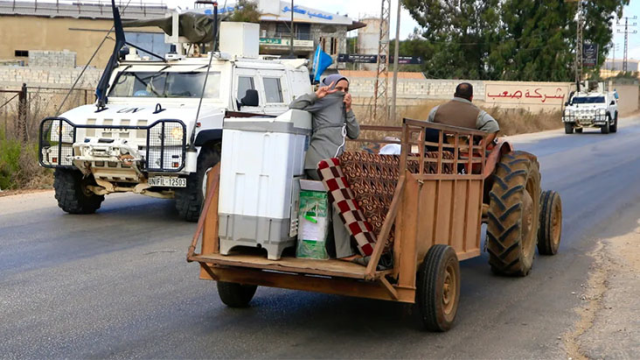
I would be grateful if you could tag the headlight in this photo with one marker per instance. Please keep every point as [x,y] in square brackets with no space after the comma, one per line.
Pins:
[567,112]
[177,133]
[603,111]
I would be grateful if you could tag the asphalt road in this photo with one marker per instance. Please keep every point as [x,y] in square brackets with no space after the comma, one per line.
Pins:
[116,284]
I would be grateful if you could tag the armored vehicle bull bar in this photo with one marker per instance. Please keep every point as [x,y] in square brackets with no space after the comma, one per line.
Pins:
[165,139]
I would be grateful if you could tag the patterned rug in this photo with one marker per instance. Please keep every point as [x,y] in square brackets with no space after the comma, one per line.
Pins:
[364,185]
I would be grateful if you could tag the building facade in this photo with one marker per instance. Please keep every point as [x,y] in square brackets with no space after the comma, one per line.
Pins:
[32,29]
[311,27]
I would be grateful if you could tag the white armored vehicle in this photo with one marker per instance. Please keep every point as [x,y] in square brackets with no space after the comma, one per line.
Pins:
[153,130]
[591,110]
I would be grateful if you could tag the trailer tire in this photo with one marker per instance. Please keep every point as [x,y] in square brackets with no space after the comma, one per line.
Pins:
[438,288]
[579,130]
[236,295]
[514,214]
[189,200]
[550,232]
[72,193]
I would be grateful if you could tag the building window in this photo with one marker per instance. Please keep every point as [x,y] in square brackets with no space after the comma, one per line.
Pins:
[334,46]
[244,83]
[273,89]
[323,44]
[21,53]
[283,30]
[303,31]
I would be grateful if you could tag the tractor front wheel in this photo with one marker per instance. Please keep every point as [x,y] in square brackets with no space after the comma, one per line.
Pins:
[550,231]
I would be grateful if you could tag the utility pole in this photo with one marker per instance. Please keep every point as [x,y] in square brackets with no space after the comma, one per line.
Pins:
[579,47]
[626,33]
[381,95]
[292,33]
[396,55]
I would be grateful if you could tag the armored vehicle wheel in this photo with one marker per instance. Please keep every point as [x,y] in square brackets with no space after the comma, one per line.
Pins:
[579,130]
[514,214]
[236,295]
[438,288]
[614,126]
[550,231]
[72,193]
[189,200]
[568,128]
[606,128]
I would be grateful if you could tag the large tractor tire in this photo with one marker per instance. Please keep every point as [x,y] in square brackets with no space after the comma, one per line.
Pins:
[514,211]
[438,288]
[72,193]
[550,231]
[236,295]
[189,200]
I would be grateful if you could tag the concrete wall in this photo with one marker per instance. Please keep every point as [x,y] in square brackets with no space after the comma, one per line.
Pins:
[531,96]
[55,59]
[629,98]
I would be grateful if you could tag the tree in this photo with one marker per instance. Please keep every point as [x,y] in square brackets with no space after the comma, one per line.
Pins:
[532,40]
[246,11]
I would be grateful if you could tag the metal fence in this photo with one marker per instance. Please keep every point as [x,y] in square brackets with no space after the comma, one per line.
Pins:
[22,109]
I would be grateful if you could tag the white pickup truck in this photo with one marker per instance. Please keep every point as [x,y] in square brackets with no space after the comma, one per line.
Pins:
[148,139]
[591,110]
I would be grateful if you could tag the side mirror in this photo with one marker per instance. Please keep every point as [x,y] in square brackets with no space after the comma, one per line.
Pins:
[250,98]
[613,103]
[566,104]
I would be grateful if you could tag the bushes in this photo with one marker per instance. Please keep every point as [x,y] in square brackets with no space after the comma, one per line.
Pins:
[19,167]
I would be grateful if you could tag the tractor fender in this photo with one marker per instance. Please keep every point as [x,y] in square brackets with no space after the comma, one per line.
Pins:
[503,147]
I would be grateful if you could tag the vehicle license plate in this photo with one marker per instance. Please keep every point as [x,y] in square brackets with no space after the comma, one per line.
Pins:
[167,181]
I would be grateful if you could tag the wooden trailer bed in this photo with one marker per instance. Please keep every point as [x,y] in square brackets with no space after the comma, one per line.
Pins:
[427,209]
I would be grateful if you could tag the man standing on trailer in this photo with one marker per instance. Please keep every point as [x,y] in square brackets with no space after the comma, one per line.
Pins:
[462,113]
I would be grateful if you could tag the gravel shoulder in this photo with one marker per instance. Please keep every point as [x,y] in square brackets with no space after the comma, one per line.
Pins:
[609,325]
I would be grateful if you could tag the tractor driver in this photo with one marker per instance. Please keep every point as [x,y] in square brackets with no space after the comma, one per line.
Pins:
[462,113]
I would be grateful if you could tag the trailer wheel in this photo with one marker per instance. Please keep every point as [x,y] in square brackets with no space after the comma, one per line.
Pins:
[514,211]
[438,288]
[189,200]
[236,295]
[579,130]
[72,193]
[550,232]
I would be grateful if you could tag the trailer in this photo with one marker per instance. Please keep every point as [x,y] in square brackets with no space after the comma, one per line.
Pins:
[447,187]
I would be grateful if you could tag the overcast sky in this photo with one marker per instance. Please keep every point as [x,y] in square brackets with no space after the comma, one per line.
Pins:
[357,9]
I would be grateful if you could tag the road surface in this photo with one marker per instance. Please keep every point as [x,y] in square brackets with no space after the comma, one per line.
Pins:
[116,284]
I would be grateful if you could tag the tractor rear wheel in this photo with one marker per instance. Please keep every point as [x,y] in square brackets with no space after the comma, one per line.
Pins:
[236,295]
[514,214]
[438,288]
[550,231]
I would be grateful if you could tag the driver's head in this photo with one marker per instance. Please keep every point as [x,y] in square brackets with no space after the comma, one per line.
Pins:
[465,91]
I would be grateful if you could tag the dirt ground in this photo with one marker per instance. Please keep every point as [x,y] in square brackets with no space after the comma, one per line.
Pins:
[610,325]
